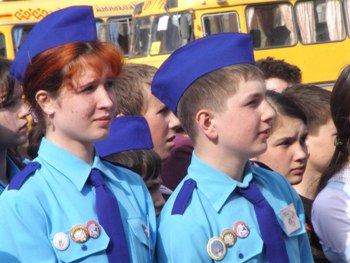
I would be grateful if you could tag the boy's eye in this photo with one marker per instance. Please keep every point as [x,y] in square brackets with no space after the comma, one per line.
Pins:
[254,102]
[164,110]
[285,143]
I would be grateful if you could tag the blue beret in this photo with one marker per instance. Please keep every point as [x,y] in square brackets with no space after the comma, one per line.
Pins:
[196,59]
[68,25]
[126,133]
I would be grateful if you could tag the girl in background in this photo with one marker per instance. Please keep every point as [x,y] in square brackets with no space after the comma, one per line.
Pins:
[13,125]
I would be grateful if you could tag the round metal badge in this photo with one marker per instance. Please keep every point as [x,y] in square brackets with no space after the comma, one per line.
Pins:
[216,248]
[241,229]
[229,237]
[79,234]
[93,228]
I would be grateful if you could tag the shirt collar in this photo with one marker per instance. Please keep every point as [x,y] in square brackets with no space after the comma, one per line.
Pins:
[11,168]
[69,165]
[215,185]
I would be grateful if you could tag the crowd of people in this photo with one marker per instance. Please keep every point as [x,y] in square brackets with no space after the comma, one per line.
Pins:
[212,157]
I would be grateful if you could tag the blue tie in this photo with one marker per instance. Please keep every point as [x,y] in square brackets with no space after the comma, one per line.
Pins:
[109,217]
[270,229]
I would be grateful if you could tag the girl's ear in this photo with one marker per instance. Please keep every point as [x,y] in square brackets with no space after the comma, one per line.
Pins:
[45,102]
[204,119]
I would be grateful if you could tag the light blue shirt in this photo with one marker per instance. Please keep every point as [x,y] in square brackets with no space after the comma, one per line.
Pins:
[331,218]
[12,170]
[215,206]
[56,197]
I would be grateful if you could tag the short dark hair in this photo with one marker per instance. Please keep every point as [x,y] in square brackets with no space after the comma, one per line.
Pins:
[285,105]
[278,68]
[314,102]
[145,162]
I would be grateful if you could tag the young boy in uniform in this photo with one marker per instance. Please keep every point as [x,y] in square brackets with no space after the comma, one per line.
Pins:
[225,209]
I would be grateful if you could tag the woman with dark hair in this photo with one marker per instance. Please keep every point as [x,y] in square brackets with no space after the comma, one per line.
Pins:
[69,205]
[13,125]
[330,210]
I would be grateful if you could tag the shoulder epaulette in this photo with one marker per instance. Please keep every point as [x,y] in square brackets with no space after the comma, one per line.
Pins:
[19,179]
[183,197]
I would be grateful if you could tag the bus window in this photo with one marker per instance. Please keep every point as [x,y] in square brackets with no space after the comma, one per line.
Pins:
[320,21]
[219,23]
[115,30]
[347,14]
[271,25]
[19,33]
[170,32]
[2,46]
[142,33]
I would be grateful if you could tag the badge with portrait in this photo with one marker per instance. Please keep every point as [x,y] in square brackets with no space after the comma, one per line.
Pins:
[290,219]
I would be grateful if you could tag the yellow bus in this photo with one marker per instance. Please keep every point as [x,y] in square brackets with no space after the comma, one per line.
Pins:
[312,34]
[17,18]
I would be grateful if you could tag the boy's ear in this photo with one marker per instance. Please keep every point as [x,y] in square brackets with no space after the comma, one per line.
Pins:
[45,102]
[204,119]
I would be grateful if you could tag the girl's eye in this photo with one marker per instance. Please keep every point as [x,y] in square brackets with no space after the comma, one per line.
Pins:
[109,84]
[88,89]
[12,103]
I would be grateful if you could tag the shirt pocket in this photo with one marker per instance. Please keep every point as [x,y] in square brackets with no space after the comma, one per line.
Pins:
[78,251]
[247,248]
[140,238]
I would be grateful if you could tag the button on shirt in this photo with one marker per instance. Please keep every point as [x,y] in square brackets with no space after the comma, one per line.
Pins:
[215,206]
[331,217]
[58,197]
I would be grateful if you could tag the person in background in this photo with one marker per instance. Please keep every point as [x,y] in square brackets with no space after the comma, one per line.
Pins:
[69,205]
[286,151]
[315,103]
[134,97]
[279,74]
[225,209]
[13,125]
[130,144]
[330,211]
[174,168]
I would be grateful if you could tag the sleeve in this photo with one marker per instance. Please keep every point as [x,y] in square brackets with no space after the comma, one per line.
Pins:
[331,221]
[23,231]
[181,240]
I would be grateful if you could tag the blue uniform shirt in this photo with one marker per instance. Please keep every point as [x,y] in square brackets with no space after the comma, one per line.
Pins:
[12,170]
[214,206]
[56,197]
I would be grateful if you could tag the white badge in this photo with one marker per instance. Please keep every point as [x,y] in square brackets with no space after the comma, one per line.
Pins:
[60,241]
[290,219]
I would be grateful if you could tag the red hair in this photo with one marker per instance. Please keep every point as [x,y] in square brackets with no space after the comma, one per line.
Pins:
[53,68]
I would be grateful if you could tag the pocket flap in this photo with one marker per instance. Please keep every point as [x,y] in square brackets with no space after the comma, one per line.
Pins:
[247,248]
[77,251]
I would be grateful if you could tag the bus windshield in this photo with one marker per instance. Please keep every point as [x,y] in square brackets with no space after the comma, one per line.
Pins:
[161,34]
